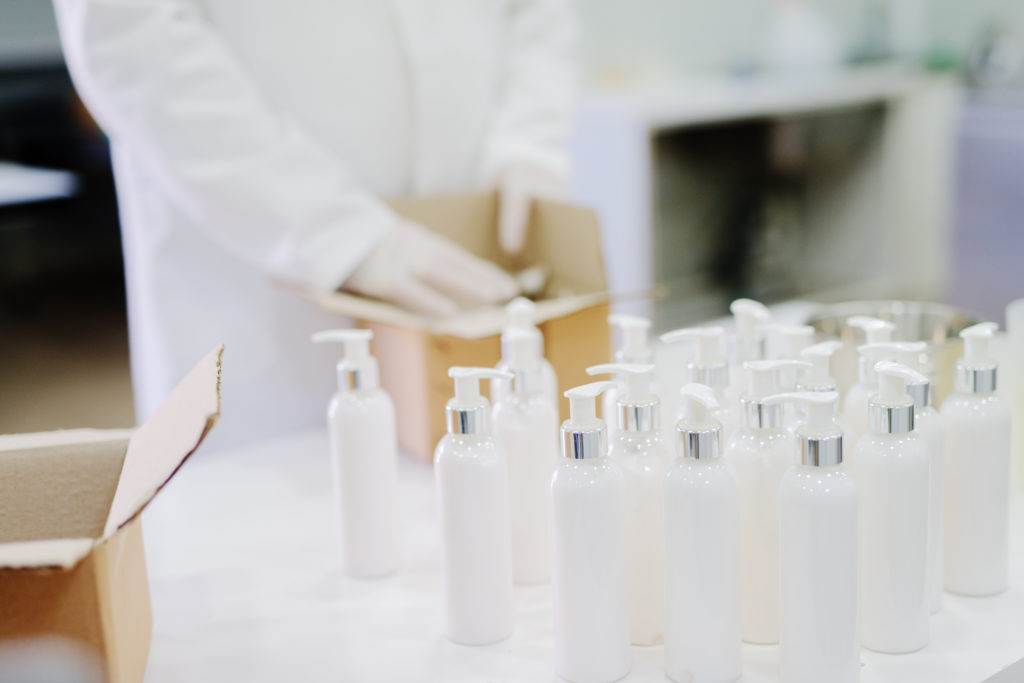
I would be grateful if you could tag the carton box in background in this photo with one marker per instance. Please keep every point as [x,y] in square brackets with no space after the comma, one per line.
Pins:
[71,555]
[415,352]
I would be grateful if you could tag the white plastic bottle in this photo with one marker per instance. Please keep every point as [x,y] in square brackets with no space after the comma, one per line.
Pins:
[526,425]
[760,452]
[364,457]
[748,342]
[634,349]
[471,476]
[591,612]
[702,607]
[891,466]
[642,456]
[855,408]
[819,622]
[977,423]
[928,423]
[519,315]
[710,368]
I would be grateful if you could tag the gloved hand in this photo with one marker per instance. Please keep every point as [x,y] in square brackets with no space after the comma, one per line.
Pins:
[518,185]
[428,274]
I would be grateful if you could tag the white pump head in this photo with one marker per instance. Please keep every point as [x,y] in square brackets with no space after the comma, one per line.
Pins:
[637,404]
[708,366]
[698,431]
[468,411]
[635,347]
[356,359]
[891,409]
[795,338]
[821,439]
[749,316]
[524,359]
[519,313]
[584,435]
[818,377]
[876,331]
[763,376]
[872,353]
[976,372]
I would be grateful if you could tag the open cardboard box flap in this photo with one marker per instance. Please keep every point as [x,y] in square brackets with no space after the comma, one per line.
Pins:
[78,468]
[562,237]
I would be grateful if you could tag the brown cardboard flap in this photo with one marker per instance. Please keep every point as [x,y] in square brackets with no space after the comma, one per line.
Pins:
[160,446]
[61,553]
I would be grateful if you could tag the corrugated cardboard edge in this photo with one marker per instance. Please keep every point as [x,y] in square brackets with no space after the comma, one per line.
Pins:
[161,446]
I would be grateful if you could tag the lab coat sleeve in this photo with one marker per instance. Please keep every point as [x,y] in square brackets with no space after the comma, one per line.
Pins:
[161,82]
[532,121]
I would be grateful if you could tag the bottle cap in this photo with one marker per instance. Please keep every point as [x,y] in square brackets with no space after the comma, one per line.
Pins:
[976,371]
[876,331]
[820,438]
[635,347]
[818,376]
[872,353]
[891,409]
[638,406]
[468,412]
[584,435]
[763,377]
[749,315]
[524,360]
[356,361]
[709,366]
[698,431]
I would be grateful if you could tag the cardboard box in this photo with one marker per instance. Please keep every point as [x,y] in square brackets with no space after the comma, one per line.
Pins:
[71,556]
[415,352]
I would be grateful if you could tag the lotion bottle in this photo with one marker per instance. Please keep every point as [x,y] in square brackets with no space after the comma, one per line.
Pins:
[642,456]
[634,349]
[526,425]
[819,622]
[702,606]
[748,342]
[760,452]
[472,479]
[364,457]
[891,466]
[855,408]
[591,606]
[710,368]
[977,434]
[520,315]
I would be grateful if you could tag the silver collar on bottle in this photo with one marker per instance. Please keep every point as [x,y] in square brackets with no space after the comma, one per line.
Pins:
[714,376]
[584,445]
[821,451]
[362,377]
[974,380]
[921,393]
[759,415]
[639,417]
[883,419]
[699,444]
[474,420]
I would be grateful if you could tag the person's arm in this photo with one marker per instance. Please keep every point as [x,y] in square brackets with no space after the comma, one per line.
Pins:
[160,80]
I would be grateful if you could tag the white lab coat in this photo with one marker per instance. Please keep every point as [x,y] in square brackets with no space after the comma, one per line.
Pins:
[252,140]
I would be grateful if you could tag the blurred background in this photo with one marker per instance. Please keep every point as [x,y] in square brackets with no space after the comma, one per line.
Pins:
[827,150]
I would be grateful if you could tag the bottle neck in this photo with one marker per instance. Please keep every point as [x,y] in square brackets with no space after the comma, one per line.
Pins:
[699,444]
[468,420]
[758,415]
[585,444]
[639,417]
[974,380]
[358,378]
[825,451]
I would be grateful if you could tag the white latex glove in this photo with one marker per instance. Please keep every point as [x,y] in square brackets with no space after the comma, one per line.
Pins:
[518,185]
[426,273]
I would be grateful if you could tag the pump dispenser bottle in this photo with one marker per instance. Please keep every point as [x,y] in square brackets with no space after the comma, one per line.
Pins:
[471,476]
[519,315]
[635,349]
[637,448]
[591,611]
[760,451]
[702,609]
[855,409]
[364,457]
[977,424]
[855,403]
[748,342]
[891,466]
[710,368]
[819,636]
[526,425]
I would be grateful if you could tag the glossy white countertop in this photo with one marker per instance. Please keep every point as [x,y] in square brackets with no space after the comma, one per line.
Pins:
[243,563]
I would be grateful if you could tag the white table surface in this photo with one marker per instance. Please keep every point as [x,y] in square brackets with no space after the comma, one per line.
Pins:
[246,586]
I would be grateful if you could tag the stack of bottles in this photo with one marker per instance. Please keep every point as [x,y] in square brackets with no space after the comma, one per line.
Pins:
[747,509]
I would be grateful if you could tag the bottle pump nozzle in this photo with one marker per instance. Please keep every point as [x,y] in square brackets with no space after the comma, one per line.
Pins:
[976,371]
[872,353]
[763,376]
[637,404]
[635,347]
[891,410]
[749,315]
[356,359]
[876,331]
[821,439]
[524,356]
[519,315]
[709,366]
[468,411]
[698,430]
[584,435]
[818,376]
